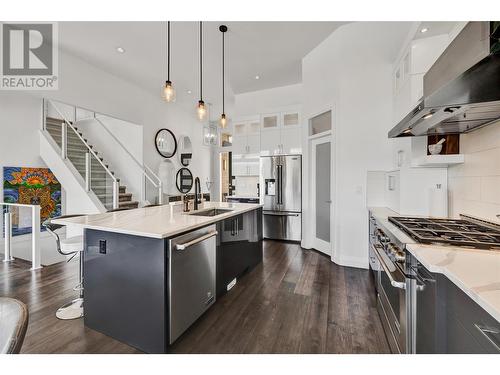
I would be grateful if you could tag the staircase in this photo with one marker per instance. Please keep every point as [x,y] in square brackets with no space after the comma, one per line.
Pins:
[100,182]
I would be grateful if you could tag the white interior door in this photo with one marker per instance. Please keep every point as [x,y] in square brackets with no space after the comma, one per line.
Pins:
[321,156]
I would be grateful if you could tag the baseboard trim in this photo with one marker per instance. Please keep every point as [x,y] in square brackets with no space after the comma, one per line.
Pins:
[355,262]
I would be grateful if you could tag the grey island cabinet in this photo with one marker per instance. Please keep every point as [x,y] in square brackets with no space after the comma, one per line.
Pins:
[447,321]
[150,273]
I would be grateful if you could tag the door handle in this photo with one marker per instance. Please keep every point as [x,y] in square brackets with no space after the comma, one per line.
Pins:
[394,283]
[185,245]
[328,202]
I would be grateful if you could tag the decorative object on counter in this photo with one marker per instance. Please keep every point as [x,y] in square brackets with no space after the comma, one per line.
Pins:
[30,186]
[450,145]
[168,92]
[210,135]
[185,150]
[165,143]
[436,148]
[223,120]
[166,172]
[184,180]
[201,109]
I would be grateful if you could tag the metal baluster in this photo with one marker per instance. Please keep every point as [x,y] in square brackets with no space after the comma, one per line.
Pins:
[64,140]
[116,194]
[7,220]
[88,161]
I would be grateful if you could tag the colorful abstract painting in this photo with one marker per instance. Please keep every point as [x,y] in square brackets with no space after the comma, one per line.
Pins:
[30,186]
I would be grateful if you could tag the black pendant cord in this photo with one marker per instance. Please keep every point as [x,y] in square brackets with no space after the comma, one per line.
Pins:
[168,51]
[223,85]
[201,62]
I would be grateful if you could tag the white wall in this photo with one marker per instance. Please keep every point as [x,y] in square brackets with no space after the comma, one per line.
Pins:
[266,101]
[474,186]
[351,73]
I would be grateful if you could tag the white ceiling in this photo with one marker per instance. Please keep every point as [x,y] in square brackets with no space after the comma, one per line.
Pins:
[272,50]
[435,28]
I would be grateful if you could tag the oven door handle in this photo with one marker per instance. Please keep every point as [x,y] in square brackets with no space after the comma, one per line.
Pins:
[385,268]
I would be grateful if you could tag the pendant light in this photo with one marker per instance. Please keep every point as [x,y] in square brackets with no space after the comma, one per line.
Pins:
[168,92]
[223,120]
[201,109]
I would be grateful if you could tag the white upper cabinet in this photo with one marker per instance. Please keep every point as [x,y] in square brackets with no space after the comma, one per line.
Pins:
[270,121]
[270,142]
[281,133]
[246,136]
[416,59]
[290,119]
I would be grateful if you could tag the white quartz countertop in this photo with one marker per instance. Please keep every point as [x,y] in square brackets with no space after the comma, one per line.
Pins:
[475,272]
[155,222]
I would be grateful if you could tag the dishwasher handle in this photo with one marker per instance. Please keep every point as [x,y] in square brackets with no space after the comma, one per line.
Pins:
[185,245]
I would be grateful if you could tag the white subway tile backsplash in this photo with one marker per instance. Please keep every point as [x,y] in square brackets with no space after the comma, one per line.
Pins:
[474,186]
[464,187]
[480,140]
[490,189]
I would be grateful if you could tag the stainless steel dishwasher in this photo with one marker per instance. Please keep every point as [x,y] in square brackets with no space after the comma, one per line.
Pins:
[191,278]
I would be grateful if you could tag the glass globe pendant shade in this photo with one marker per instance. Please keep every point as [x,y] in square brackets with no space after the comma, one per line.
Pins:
[223,121]
[201,110]
[168,93]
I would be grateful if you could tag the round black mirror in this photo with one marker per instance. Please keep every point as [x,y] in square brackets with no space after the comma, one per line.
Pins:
[165,143]
[184,180]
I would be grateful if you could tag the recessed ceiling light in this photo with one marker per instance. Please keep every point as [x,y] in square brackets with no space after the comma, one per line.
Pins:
[424,30]
[257,77]
[120,49]
[189,91]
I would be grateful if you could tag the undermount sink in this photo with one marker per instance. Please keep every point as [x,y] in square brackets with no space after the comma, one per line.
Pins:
[211,212]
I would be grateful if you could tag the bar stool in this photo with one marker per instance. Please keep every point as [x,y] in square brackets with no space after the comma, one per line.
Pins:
[70,246]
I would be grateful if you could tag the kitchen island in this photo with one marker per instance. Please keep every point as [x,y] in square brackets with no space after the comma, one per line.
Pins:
[149,273]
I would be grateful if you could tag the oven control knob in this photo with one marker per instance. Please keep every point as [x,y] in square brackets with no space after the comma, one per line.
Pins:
[382,237]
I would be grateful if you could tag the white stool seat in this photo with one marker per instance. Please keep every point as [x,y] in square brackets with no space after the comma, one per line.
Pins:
[72,244]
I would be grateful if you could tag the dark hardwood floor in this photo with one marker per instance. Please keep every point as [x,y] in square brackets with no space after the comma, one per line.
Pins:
[296,301]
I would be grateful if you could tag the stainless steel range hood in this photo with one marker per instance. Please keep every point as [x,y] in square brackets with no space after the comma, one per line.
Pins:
[461,89]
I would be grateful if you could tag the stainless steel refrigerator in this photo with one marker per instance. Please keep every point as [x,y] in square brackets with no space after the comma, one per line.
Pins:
[282,196]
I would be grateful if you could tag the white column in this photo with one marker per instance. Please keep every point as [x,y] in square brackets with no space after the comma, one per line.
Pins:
[35,238]
[7,220]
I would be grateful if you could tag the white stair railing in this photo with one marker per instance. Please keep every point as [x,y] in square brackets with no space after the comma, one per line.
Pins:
[145,171]
[35,234]
[64,154]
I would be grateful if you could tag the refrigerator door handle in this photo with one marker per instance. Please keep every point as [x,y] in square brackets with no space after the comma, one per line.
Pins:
[280,184]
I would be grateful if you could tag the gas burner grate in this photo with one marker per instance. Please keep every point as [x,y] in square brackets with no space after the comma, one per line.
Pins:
[449,231]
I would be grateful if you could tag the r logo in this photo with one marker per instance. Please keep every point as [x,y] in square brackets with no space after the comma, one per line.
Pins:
[27,49]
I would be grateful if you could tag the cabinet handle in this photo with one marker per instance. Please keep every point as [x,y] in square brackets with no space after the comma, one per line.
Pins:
[183,246]
[491,334]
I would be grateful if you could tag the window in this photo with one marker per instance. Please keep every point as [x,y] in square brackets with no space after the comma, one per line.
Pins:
[320,123]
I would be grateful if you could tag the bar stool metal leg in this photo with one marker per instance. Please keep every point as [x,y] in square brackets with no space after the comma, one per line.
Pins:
[74,309]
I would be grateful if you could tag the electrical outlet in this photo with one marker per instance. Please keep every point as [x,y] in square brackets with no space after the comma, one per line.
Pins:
[102,246]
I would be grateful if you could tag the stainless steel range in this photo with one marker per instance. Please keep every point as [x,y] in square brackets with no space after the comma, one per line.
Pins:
[468,232]
[387,262]
[401,283]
